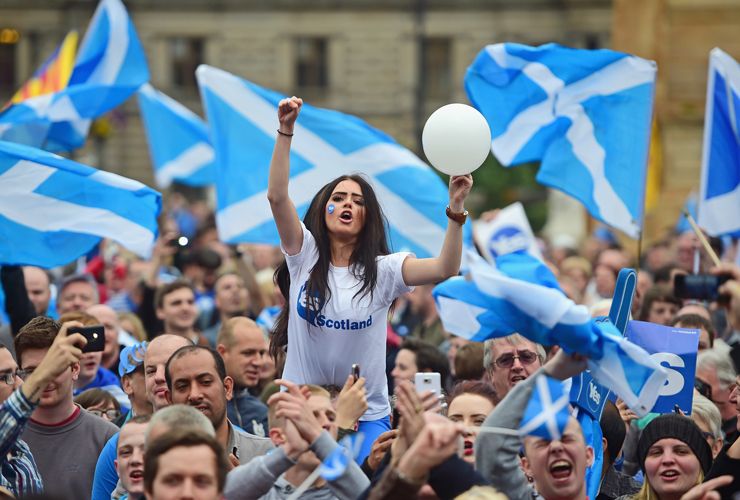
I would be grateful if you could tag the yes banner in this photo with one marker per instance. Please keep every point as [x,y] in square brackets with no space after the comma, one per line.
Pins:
[508,232]
[675,349]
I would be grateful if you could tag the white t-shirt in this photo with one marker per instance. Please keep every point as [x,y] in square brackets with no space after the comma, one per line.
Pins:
[347,330]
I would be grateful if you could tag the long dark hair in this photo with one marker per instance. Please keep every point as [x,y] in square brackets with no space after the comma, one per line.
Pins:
[372,242]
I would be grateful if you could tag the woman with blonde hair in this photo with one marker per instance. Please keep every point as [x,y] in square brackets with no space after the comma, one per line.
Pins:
[674,456]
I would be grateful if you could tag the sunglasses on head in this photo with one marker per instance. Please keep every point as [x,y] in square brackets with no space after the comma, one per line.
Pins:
[703,388]
[507,360]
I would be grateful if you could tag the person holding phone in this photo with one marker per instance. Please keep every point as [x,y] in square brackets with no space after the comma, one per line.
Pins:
[60,432]
[340,278]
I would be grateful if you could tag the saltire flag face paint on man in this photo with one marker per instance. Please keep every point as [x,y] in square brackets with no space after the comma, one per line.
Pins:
[242,119]
[522,295]
[54,210]
[584,114]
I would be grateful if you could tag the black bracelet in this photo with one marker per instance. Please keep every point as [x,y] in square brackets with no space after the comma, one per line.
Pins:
[283,133]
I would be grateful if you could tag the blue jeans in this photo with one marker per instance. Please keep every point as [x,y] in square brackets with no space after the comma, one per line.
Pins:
[371,429]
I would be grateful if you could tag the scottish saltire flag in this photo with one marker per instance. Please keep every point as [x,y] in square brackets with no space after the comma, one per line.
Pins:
[178,140]
[334,466]
[522,295]
[242,118]
[547,412]
[53,210]
[584,114]
[719,200]
[109,67]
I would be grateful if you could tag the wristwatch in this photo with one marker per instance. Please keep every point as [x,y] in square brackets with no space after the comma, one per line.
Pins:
[459,217]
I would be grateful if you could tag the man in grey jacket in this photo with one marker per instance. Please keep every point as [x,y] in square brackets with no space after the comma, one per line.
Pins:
[302,426]
[558,466]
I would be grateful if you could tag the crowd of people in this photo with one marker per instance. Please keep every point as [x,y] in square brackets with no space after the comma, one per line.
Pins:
[234,371]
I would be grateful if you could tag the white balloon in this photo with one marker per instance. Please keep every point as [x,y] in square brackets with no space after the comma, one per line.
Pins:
[456,139]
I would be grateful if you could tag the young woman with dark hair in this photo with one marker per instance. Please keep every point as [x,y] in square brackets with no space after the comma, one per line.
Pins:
[340,277]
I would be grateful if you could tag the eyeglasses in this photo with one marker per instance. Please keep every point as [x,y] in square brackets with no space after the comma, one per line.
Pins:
[507,360]
[9,377]
[111,414]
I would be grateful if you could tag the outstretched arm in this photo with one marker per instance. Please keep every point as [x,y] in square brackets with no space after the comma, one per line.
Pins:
[447,264]
[283,210]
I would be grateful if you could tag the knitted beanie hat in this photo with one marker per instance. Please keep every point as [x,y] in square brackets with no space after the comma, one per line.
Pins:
[678,427]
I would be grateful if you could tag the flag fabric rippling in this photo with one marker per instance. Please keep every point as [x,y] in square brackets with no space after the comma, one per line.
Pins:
[54,210]
[178,140]
[242,117]
[109,67]
[719,201]
[521,295]
[584,114]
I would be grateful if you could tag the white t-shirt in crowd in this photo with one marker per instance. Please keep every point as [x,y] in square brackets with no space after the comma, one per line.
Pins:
[347,330]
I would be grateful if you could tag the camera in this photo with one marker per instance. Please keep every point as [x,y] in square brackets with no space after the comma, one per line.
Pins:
[699,286]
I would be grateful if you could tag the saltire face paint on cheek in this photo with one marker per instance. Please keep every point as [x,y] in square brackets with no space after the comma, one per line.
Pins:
[330,208]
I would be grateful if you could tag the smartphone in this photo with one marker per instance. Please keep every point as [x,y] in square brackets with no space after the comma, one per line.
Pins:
[428,381]
[356,371]
[698,286]
[179,242]
[95,336]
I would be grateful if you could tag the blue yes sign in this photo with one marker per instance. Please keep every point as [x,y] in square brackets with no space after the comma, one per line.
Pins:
[675,349]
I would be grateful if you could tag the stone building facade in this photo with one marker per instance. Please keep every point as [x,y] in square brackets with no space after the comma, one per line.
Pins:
[391,62]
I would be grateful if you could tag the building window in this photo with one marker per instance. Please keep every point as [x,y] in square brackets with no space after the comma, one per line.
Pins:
[7,72]
[186,53]
[436,73]
[311,64]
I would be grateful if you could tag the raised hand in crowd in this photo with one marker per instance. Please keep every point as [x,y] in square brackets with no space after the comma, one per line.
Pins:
[411,408]
[288,110]
[731,288]
[64,352]
[624,411]
[707,489]
[291,405]
[351,403]
[437,440]
[563,366]
[162,251]
[380,448]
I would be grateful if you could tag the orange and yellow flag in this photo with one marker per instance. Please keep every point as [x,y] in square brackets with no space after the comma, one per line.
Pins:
[53,75]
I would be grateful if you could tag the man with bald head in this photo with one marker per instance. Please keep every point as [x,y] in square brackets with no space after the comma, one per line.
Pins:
[243,346]
[158,352]
[27,295]
[38,287]
[558,466]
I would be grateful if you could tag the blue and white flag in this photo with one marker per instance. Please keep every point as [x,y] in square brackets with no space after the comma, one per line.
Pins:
[508,232]
[547,412]
[719,200]
[334,466]
[242,118]
[109,67]
[53,210]
[675,349]
[584,114]
[178,140]
[522,295]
